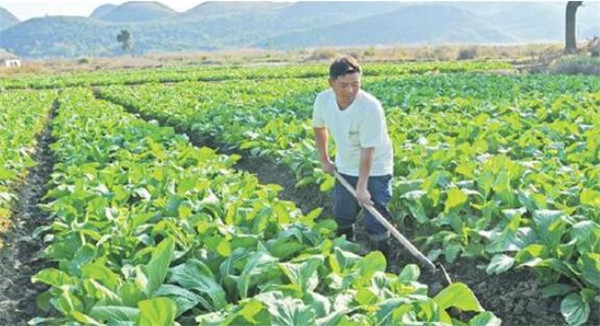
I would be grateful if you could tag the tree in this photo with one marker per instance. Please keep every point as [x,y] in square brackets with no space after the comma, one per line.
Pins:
[570,39]
[125,39]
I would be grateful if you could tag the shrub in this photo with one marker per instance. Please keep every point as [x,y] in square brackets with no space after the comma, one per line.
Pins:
[467,54]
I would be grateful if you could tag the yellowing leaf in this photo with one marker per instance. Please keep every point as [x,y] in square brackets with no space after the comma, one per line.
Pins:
[456,197]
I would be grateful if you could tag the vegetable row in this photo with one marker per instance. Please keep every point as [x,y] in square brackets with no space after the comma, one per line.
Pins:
[502,167]
[22,117]
[148,229]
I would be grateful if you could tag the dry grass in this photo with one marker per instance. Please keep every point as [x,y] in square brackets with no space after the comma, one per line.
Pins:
[27,68]
[576,65]
[514,53]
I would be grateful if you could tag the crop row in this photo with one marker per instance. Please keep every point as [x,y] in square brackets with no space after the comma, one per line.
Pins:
[171,75]
[22,118]
[148,228]
[501,167]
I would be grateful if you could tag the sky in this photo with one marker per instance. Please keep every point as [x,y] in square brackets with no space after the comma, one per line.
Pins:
[29,9]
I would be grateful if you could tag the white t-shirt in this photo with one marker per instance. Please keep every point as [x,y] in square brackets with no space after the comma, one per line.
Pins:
[361,125]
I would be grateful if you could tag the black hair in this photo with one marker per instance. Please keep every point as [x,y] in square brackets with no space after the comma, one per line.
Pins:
[342,66]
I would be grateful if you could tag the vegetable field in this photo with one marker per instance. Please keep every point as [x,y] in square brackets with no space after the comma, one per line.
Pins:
[159,205]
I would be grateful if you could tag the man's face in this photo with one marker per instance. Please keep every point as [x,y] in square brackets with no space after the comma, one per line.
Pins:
[346,87]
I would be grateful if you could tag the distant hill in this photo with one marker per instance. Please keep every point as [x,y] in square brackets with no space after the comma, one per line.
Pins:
[60,36]
[136,12]
[339,12]
[7,19]
[102,10]
[432,23]
[535,21]
[211,9]
[216,25]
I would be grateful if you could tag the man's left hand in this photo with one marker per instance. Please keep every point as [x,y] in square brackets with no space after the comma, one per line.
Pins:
[363,196]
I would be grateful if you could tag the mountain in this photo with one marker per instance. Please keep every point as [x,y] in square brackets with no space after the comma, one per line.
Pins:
[338,11]
[7,19]
[102,10]
[136,12]
[217,25]
[445,24]
[60,36]
[211,9]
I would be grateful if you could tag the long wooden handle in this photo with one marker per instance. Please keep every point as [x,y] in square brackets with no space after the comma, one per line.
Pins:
[412,249]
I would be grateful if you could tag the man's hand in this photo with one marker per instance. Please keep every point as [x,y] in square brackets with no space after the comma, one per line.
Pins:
[327,166]
[363,196]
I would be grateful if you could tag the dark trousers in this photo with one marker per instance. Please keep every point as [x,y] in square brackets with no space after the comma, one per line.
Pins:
[345,206]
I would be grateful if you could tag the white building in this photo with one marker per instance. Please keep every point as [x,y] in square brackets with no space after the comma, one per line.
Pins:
[8,59]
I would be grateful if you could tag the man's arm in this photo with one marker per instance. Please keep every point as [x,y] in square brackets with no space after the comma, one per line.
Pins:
[366,160]
[322,138]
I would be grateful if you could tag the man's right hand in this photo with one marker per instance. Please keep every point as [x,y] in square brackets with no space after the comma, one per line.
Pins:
[328,166]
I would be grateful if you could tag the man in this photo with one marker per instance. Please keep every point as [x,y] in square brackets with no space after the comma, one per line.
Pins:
[364,157]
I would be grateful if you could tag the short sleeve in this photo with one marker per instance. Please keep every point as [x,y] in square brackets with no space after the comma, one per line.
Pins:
[318,121]
[372,128]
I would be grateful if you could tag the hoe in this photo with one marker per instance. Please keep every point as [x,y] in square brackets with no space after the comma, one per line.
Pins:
[409,246]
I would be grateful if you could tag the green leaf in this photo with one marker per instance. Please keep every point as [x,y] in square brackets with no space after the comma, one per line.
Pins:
[99,291]
[249,310]
[43,301]
[83,255]
[550,226]
[485,319]
[499,264]
[67,302]
[365,296]
[457,295]
[52,276]
[159,264]
[131,294]
[143,193]
[115,313]
[418,211]
[451,251]
[184,299]
[590,197]
[332,319]
[195,275]
[415,205]
[85,319]
[101,273]
[157,312]
[574,309]
[587,235]
[371,263]
[410,273]
[467,169]
[531,252]
[258,264]
[286,311]
[327,184]
[590,268]
[555,290]
[303,275]
[319,303]
[387,307]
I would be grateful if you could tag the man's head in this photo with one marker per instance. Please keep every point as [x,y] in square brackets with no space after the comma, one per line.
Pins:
[344,78]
